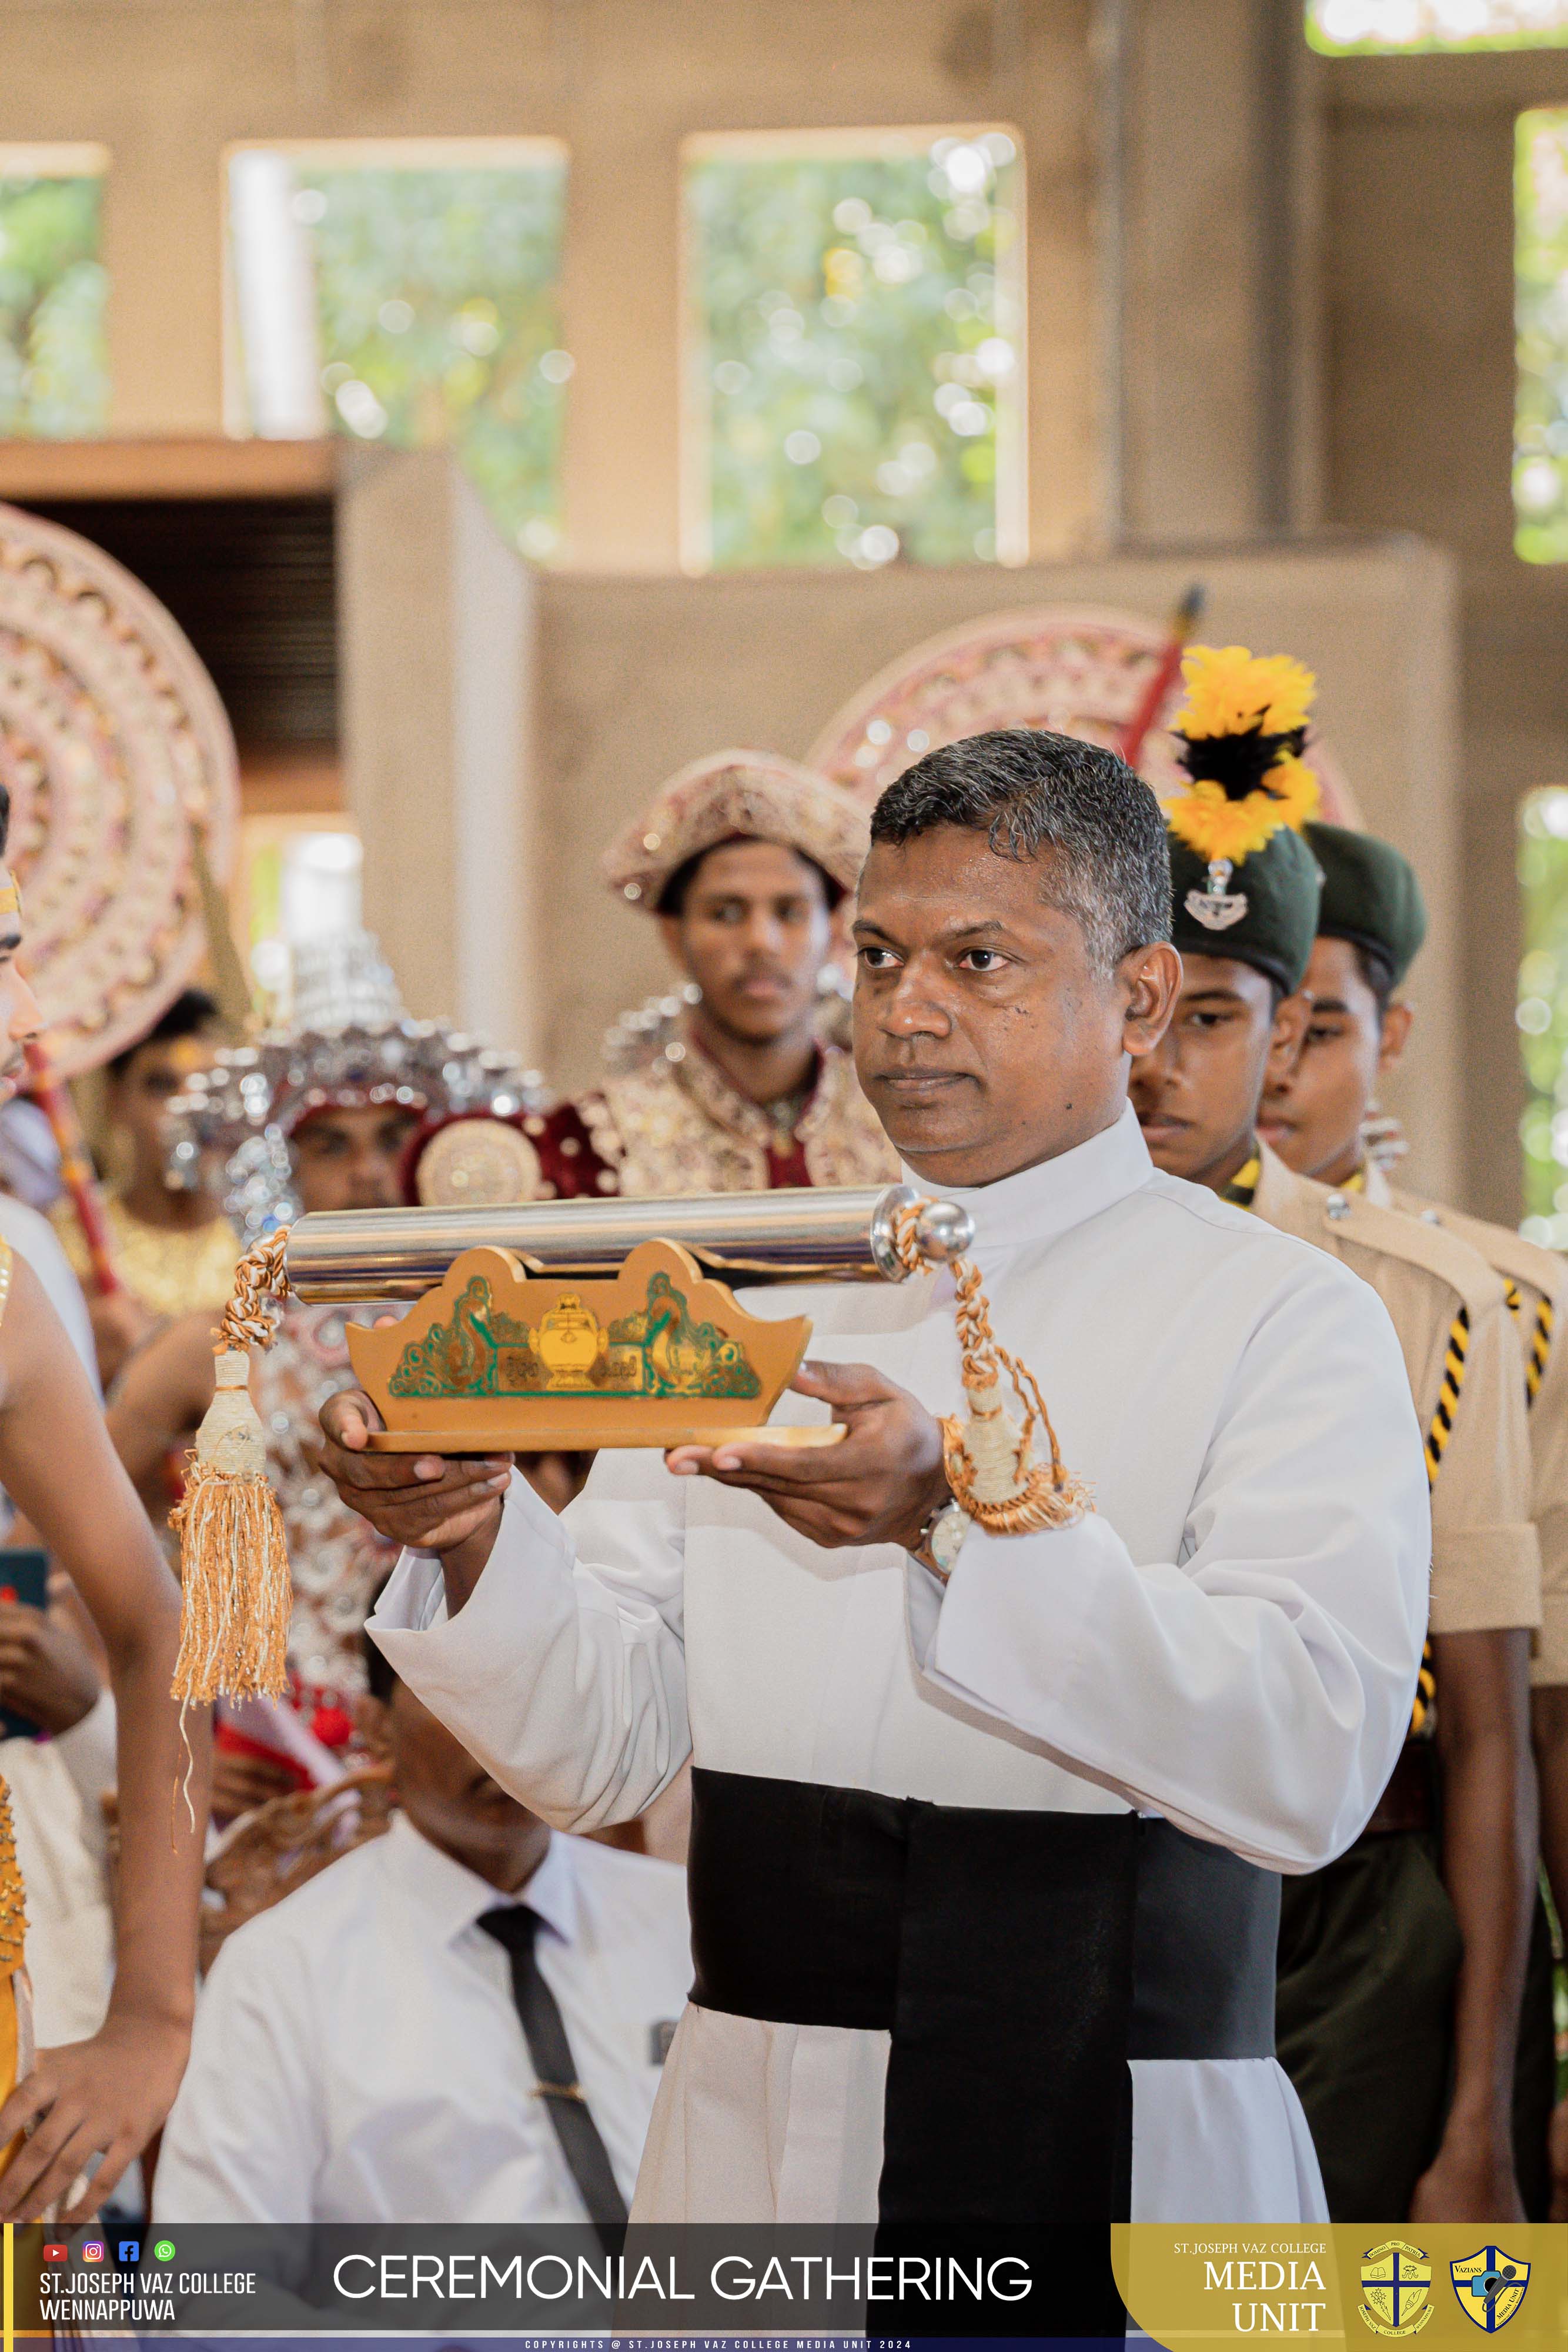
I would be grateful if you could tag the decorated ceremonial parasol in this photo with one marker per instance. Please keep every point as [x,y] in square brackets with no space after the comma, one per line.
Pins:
[1076,670]
[124,805]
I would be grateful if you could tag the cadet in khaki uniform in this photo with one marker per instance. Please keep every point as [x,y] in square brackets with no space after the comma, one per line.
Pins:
[1318,1117]
[1400,1964]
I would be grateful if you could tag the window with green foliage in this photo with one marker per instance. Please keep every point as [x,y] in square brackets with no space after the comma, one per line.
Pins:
[854,352]
[1542,1012]
[53,360]
[1540,309]
[395,298]
[1404,27]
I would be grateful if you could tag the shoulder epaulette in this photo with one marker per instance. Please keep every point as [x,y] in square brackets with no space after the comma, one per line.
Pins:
[1507,1251]
[1348,1217]
[1518,1261]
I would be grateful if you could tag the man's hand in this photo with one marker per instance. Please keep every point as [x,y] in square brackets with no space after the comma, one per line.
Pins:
[119,1325]
[1470,2178]
[1558,2146]
[46,1673]
[103,2097]
[879,1483]
[242,1782]
[426,1501]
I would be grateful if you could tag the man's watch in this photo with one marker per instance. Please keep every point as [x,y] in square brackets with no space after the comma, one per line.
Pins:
[941,1540]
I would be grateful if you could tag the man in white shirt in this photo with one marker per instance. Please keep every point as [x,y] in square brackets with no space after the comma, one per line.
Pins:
[365,2051]
[940,1933]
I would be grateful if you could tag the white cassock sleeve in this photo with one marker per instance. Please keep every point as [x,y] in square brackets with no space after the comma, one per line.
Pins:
[567,1680]
[1257,1691]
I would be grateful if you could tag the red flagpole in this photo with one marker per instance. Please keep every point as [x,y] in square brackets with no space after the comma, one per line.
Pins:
[1184,621]
[53,1099]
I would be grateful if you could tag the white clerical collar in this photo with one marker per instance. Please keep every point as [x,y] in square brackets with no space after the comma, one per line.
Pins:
[453,1897]
[1040,1203]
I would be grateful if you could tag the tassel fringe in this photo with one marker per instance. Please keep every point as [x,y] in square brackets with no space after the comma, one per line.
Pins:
[237,1593]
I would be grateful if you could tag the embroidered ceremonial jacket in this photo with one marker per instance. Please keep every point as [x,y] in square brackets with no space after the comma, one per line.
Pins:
[679,1125]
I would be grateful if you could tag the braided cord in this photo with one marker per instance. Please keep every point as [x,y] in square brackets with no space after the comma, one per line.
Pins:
[261,1284]
[973,1451]
[1540,1341]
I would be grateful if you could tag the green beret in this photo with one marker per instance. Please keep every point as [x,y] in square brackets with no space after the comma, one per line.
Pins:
[1262,912]
[1371,895]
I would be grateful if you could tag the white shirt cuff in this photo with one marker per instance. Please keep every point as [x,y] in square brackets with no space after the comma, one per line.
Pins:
[412,1611]
[1006,1630]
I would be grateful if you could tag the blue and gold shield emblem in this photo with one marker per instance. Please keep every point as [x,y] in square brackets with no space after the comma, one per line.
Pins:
[1395,2289]
[1490,2286]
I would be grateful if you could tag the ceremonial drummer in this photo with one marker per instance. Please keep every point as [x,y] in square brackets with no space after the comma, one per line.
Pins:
[320,1117]
[1322,1116]
[92,2105]
[1041,1783]
[1400,1965]
[742,859]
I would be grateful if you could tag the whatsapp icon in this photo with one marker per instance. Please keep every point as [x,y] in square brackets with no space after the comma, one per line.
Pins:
[163,2250]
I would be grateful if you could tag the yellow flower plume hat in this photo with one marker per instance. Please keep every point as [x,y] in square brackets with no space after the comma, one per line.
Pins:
[1240,732]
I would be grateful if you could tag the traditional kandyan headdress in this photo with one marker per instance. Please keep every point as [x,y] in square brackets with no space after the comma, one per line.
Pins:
[353,1046]
[1242,731]
[738,796]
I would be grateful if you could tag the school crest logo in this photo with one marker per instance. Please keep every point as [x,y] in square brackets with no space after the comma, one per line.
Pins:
[1490,2286]
[1395,2289]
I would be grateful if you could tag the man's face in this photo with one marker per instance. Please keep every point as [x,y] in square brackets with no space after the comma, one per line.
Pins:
[19,1015]
[140,1095]
[448,1796]
[754,933]
[1196,1092]
[985,1037]
[1313,1111]
[352,1159]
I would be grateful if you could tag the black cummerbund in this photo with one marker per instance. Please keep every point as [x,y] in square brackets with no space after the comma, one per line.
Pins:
[1017,1960]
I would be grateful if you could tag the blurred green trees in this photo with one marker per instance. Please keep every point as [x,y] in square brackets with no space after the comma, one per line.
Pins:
[54,365]
[1403,27]
[439,322]
[1542,1012]
[855,335]
[1541,301]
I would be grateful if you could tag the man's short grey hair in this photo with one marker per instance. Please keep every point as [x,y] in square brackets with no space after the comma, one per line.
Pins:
[1028,791]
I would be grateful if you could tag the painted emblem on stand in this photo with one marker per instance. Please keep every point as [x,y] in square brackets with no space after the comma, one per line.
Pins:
[656,1351]
[500,1360]
[1396,2288]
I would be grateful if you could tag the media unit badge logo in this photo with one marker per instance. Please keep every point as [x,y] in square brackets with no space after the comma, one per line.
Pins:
[1396,2288]
[1490,2286]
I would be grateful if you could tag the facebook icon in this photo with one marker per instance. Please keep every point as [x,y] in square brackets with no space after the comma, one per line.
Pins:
[130,2250]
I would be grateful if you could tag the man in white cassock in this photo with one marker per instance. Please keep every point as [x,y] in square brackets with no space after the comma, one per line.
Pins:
[988,1827]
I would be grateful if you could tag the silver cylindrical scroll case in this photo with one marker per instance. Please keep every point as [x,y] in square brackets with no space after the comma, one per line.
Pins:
[784,1236]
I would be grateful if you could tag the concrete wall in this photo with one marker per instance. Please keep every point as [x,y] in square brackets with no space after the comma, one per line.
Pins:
[1419,160]
[635,677]
[438,631]
[168,84]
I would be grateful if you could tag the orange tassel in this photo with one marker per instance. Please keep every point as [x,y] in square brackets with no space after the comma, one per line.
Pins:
[237,1593]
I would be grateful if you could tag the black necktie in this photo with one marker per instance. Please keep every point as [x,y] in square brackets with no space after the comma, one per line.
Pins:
[544,2031]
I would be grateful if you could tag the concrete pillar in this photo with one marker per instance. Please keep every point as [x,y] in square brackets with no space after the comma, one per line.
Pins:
[437,619]
[1212,306]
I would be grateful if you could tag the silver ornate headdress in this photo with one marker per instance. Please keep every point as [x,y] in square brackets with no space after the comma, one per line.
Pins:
[356,1048]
